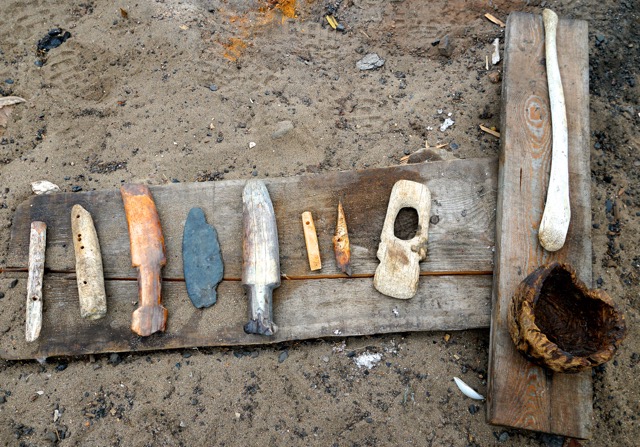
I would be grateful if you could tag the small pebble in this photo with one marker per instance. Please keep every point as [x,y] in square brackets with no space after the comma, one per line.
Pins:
[61,367]
[283,356]
[38,63]
[3,399]
[50,436]
[494,77]
[552,440]
[473,408]
[8,81]
[406,151]
[282,129]
[186,355]
[434,219]
[76,188]
[325,359]
[1,295]
[13,283]
[114,359]
[213,87]
[445,46]
[504,437]
[370,62]
[454,146]
[254,173]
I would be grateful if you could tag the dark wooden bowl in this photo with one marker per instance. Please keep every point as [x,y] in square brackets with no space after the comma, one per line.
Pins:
[556,321]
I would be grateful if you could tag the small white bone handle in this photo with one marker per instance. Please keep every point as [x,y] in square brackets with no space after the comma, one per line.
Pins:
[557,210]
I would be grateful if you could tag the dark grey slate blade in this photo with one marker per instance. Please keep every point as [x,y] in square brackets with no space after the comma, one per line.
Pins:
[201,259]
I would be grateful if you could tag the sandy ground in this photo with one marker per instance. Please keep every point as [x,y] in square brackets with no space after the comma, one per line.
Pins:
[177,90]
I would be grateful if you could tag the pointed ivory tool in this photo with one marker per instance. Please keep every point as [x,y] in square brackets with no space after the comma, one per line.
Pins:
[399,270]
[37,246]
[341,246]
[89,274]
[260,257]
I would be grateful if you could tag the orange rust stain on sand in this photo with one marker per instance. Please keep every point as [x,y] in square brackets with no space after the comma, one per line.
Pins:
[235,46]
[234,49]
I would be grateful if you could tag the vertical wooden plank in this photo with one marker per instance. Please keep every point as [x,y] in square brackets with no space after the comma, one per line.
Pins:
[522,395]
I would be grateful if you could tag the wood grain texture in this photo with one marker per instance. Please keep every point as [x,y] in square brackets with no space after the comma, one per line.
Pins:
[453,293]
[520,394]
[463,193]
[302,309]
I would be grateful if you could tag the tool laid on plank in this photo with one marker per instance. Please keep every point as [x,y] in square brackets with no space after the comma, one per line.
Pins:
[37,247]
[399,270]
[341,246]
[311,241]
[148,254]
[557,209]
[89,274]
[260,257]
[201,259]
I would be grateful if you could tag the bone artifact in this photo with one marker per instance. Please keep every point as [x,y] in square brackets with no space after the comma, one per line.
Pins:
[311,241]
[399,270]
[260,257]
[148,254]
[557,210]
[341,246]
[37,246]
[89,274]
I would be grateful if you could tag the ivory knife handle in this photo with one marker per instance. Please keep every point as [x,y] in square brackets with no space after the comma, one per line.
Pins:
[89,273]
[37,247]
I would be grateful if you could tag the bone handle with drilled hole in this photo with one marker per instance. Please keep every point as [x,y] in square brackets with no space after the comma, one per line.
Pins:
[557,210]
[37,246]
[89,274]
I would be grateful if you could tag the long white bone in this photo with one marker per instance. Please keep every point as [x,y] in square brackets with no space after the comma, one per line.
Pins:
[557,210]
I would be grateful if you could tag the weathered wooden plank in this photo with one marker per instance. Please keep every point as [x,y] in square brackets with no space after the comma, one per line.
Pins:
[302,309]
[520,394]
[463,193]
